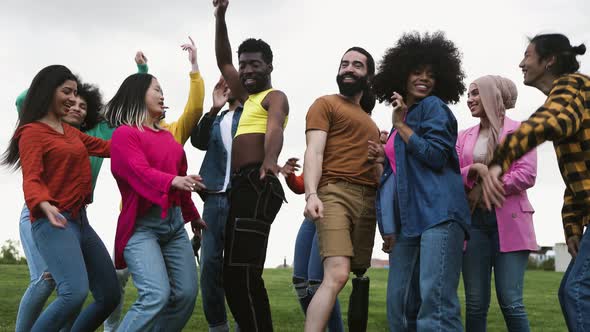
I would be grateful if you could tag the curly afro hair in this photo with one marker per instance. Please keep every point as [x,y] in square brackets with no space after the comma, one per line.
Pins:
[413,51]
[93,99]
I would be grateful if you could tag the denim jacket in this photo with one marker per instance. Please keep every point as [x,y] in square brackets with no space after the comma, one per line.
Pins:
[428,184]
[206,136]
[385,201]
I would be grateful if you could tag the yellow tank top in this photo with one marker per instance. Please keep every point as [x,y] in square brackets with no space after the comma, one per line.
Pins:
[254,116]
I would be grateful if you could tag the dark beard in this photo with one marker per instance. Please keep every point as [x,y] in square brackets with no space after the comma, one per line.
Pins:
[351,89]
[261,83]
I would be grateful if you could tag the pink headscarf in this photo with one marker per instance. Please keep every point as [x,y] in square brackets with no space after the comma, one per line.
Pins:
[497,94]
[507,90]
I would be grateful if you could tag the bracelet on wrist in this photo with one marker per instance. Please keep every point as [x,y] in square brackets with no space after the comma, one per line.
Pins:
[308,195]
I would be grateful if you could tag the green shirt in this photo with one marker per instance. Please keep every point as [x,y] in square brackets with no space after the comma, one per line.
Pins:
[104,131]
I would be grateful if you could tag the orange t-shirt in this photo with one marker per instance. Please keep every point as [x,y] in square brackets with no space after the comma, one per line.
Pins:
[349,129]
[56,167]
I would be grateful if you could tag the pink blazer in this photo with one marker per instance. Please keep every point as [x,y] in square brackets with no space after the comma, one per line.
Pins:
[515,217]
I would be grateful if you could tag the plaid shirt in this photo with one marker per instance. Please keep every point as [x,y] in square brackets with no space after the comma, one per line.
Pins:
[565,120]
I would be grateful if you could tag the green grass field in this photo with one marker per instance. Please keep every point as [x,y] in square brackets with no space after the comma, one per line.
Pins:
[540,300]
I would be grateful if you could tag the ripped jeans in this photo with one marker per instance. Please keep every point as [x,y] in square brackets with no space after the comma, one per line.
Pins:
[42,283]
[254,204]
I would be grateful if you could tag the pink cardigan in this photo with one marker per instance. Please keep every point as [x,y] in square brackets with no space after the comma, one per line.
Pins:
[144,163]
[515,217]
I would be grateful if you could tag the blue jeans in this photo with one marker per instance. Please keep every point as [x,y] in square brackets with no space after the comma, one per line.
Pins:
[111,324]
[160,259]
[483,253]
[423,279]
[309,271]
[78,262]
[41,285]
[574,291]
[215,213]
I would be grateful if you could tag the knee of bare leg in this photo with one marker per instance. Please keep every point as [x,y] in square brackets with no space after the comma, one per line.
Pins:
[337,277]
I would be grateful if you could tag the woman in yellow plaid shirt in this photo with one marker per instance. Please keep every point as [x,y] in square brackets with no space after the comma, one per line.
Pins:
[550,65]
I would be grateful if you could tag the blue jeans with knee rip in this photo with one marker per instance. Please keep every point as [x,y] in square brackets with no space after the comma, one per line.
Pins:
[78,262]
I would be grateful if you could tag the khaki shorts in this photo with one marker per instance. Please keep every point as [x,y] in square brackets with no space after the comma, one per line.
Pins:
[348,225]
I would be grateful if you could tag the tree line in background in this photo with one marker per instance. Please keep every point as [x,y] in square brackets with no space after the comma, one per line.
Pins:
[9,254]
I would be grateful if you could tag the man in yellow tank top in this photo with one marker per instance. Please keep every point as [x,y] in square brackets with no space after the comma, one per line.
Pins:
[255,195]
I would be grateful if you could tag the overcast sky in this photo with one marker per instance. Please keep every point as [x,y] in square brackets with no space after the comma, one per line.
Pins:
[98,40]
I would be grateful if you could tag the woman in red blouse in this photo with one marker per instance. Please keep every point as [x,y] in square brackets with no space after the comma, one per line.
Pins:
[57,186]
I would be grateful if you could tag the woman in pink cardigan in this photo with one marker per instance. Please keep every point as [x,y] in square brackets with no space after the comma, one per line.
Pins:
[502,238]
[151,171]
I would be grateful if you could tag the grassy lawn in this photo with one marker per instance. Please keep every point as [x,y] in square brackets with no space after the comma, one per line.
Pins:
[540,299]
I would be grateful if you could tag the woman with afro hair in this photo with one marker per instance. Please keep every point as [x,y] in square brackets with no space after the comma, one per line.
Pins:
[422,209]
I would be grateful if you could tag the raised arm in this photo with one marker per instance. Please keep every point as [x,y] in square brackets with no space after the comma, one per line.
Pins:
[182,128]
[277,107]
[202,132]
[141,62]
[223,52]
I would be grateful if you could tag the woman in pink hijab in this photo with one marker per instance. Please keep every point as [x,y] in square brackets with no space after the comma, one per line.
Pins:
[503,237]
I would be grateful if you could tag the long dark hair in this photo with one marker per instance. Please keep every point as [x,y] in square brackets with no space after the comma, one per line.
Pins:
[558,45]
[36,105]
[128,107]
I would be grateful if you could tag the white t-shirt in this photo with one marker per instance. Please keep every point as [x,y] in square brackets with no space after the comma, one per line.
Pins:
[226,137]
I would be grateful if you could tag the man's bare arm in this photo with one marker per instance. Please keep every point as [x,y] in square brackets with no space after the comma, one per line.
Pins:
[314,159]
[312,172]
[277,107]
[223,52]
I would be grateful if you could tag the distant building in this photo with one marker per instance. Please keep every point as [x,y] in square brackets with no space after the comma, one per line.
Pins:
[379,263]
[541,255]
[562,257]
